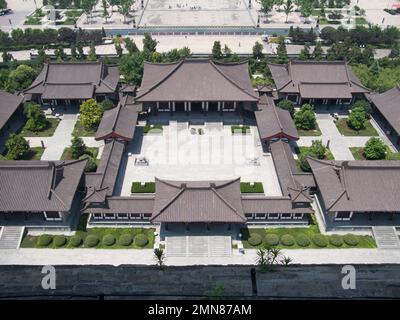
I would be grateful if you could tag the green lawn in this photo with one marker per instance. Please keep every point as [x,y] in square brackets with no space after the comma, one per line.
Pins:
[312,133]
[154,128]
[81,131]
[309,232]
[245,187]
[306,150]
[240,129]
[149,187]
[358,154]
[91,151]
[35,153]
[48,132]
[345,130]
[361,21]
[31,241]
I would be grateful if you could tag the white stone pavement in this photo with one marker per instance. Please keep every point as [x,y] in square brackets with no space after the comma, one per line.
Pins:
[146,257]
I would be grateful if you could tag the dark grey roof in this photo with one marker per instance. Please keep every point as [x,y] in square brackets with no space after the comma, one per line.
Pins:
[74,80]
[285,169]
[273,122]
[125,205]
[366,186]
[198,201]
[253,204]
[196,80]
[119,122]
[317,79]
[101,183]
[39,185]
[388,104]
[9,103]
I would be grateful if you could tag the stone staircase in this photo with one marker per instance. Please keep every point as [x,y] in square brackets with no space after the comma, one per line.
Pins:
[198,246]
[386,237]
[10,237]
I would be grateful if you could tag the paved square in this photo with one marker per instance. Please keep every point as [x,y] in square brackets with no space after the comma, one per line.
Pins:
[197,13]
[178,154]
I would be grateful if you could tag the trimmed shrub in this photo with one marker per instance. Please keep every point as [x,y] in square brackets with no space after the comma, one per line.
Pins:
[141,240]
[91,241]
[75,241]
[271,239]
[59,241]
[302,240]
[108,240]
[336,240]
[255,239]
[125,239]
[319,240]
[350,240]
[44,240]
[287,240]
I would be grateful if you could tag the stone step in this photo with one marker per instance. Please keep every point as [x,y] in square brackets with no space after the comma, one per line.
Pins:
[10,237]
[386,237]
[198,246]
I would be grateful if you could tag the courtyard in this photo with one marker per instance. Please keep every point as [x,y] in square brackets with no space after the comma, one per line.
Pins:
[198,152]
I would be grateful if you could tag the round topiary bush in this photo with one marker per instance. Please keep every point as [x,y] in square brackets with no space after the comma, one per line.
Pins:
[91,241]
[125,239]
[320,240]
[271,239]
[75,241]
[336,240]
[59,241]
[350,240]
[255,239]
[44,240]
[141,240]
[287,240]
[108,240]
[302,240]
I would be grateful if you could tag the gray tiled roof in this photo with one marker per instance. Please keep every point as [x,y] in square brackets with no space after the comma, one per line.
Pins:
[258,204]
[274,122]
[198,201]
[317,79]
[125,205]
[196,80]
[388,103]
[39,185]
[366,186]
[74,80]
[9,103]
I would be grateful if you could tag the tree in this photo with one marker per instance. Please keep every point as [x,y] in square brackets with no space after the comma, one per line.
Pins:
[131,46]
[159,256]
[20,78]
[60,54]
[305,118]
[149,44]
[118,50]
[286,105]
[281,51]
[266,6]
[257,50]
[74,53]
[7,57]
[131,68]
[91,113]
[303,163]
[305,53]
[3,4]
[92,52]
[87,7]
[375,68]
[365,105]
[317,149]
[356,119]
[42,57]
[105,6]
[81,54]
[395,51]
[125,7]
[216,50]
[318,52]
[36,119]
[107,104]
[78,147]
[227,52]
[288,8]
[375,149]
[306,7]
[17,147]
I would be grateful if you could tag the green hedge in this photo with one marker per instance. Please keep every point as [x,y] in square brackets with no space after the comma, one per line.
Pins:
[350,240]
[141,240]
[302,240]
[125,240]
[108,240]
[75,241]
[59,241]
[149,187]
[255,239]
[91,241]
[319,240]
[156,128]
[44,240]
[271,239]
[287,240]
[240,129]
[336,240]
[245,187]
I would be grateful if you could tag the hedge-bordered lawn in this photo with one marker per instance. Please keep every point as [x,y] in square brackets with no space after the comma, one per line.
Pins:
[358,154]
[310,133]
[240,129]
[48,132]
[344,129]
[306,150]
[91,151]
[245,187]
[32,241]
[307,232]
[149,187]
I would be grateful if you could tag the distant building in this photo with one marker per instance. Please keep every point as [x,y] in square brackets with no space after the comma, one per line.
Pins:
[11,113]
[72,83]
[317,82]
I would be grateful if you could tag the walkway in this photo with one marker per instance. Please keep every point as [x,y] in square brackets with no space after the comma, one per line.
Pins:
[146,257]
[386,237]
[10,237]
[198,246]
